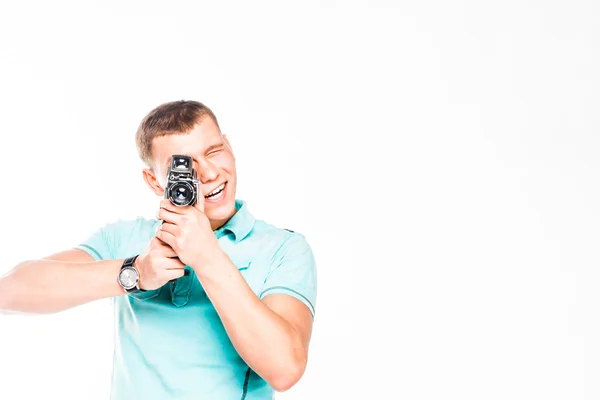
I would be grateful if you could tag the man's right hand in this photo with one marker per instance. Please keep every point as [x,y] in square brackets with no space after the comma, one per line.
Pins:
[158,265]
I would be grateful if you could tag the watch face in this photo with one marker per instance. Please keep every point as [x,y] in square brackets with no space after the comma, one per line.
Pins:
[128,278]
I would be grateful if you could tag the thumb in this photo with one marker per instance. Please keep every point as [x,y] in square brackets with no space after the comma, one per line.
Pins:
[200,200]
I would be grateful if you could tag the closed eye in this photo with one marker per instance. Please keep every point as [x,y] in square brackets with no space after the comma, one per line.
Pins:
[214,149]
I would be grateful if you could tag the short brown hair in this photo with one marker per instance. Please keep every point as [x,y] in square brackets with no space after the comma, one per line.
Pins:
[172,118]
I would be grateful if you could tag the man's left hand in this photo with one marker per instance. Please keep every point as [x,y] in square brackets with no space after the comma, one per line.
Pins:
[187,230]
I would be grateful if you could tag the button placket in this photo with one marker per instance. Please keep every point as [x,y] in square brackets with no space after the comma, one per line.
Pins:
[181,289]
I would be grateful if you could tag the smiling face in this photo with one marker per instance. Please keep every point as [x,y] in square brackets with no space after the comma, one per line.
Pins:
[214,163]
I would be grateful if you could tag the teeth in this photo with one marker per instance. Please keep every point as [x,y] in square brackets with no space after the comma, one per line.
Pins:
[216,190]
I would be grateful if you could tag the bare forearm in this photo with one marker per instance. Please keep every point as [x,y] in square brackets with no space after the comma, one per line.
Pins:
[48,286]
[268,343]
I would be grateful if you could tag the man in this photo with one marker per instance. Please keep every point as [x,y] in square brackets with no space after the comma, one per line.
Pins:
[221,305]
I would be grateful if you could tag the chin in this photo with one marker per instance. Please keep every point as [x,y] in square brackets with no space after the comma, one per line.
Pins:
[221,207]
[220,212]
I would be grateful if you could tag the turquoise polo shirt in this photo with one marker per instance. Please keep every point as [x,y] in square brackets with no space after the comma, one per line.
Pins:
[170,342]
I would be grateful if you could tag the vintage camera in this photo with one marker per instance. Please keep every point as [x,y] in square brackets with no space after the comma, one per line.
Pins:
[182,185]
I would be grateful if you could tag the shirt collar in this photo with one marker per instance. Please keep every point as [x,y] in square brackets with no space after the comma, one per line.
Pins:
[240,224]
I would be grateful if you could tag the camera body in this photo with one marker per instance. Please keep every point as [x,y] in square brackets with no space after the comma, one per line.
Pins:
[182,186]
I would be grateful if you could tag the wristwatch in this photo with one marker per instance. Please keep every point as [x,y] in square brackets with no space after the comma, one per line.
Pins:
[129,277]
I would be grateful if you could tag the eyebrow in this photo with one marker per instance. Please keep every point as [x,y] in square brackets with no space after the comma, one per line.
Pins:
[214,147]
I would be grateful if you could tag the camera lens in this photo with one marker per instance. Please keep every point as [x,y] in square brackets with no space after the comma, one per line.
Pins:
[182,194]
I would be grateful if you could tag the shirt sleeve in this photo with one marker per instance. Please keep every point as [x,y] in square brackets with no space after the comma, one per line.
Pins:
[294,272]
[100,244]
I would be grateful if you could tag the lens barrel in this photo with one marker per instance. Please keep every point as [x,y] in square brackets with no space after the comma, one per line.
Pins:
[182,194]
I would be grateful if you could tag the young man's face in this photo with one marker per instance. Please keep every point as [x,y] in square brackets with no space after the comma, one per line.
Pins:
[214,163]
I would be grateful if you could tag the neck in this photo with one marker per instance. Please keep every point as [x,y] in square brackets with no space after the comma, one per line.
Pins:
[218,223]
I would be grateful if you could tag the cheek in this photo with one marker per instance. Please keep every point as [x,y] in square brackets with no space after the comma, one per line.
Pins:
[229,164]
[161,178]
[225,163]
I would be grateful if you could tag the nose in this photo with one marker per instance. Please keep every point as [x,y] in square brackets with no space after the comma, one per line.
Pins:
[207,171]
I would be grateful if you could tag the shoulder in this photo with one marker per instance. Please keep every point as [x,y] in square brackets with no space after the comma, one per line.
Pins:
[263,228]
[279,237]
[118,237]
[129,227]
[126,235]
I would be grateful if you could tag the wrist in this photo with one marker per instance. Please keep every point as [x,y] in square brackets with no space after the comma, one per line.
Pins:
[209,262]
[136,266]
[129,277]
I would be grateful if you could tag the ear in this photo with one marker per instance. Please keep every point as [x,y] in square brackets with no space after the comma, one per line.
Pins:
[152,182]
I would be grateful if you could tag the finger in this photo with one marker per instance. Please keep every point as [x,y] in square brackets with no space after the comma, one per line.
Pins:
[171,228]
[162,248]
[157,243]
[200,201]
[165,250]
[200,198]
[167,205]
[168,216]
[166,237]
[174,264]
[172,274]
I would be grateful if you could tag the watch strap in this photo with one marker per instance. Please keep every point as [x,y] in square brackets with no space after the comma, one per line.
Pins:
[129,263]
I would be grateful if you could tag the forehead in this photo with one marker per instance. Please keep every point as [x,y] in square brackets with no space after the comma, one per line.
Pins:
[193,143]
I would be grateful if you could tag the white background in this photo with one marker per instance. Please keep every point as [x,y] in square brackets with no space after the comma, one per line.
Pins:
[441,158]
